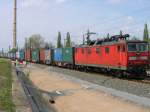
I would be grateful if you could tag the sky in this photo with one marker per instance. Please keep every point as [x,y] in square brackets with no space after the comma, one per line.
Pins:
[47,17]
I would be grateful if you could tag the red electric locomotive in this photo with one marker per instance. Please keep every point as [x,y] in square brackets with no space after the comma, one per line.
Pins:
[116,54]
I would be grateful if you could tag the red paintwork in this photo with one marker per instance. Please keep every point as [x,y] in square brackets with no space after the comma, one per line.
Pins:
[138,61]
[42,55]
[114,59]
[28,55]
[149,56]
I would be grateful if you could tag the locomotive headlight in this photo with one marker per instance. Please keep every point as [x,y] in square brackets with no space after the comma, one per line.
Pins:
[138,58]
[132,58]
[144,58]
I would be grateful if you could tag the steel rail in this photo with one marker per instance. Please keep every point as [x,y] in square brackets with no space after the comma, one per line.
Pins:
[36,102]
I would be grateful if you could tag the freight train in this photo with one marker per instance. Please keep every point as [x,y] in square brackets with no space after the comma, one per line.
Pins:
[117,55]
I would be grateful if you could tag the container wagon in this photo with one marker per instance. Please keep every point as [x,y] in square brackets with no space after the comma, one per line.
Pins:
[21,55]
[48,56]
[17,55]
[35,56]
[42,55]
[28,56]
[58,56]
[68,57]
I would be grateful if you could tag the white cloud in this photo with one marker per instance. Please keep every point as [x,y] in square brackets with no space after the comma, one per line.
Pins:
[114,1]
[30,3]
[61,1]
[130,18]
[128,23]
[38,3]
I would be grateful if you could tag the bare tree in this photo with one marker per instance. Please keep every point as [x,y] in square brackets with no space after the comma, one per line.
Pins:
[35,41]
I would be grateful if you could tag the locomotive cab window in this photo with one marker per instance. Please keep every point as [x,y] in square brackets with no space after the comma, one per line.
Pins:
[107,50]
[132,47]
[142,47]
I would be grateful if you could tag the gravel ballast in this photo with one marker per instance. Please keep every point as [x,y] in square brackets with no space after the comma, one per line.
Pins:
[136,88]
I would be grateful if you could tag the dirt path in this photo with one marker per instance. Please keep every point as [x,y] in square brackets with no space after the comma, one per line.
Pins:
[73,97]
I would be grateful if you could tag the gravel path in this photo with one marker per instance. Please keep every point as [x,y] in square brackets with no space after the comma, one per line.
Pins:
[132,87]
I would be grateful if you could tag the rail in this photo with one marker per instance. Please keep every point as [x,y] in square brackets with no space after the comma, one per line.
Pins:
[33,94]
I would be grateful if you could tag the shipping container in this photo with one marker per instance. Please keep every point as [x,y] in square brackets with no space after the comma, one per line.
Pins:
[35,56]
[68,55]
[12,56]
[17,55]
[42,55]
[58,56]
[21,55]
[48,56]
[28,55]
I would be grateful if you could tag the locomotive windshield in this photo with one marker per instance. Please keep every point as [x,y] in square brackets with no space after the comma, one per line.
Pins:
[132,47]
[140,47]
[143,47]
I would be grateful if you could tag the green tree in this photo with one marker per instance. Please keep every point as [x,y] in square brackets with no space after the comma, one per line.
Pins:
[59,44]
[68,40]
[146,33]
[108,35]
[13,50]
[35,41]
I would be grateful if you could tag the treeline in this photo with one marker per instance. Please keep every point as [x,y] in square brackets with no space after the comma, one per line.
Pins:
[36,41]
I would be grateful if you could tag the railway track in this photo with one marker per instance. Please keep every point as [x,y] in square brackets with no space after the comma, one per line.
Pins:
[133,86]
[36,101]
[145,81]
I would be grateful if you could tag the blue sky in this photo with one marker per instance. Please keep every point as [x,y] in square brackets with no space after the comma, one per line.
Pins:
[47,17]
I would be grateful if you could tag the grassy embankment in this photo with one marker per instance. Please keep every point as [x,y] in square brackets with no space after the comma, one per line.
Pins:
[6,103]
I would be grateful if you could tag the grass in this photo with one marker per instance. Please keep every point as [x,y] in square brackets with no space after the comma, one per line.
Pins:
[6,103]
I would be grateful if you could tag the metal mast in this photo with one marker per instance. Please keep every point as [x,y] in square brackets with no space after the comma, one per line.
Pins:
[15,25]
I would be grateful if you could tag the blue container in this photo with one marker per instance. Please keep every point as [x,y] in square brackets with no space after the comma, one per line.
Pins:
[58,55]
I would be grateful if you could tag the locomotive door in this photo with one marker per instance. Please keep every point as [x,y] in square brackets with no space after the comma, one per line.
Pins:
[121,50]
[120,53]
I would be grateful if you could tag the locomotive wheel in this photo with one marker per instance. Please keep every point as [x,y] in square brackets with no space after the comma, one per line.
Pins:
[118,74]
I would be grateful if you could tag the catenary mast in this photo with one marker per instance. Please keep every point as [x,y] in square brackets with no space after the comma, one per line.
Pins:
[15,25]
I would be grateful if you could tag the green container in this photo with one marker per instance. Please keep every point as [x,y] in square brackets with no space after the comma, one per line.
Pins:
[35,56]
[22,55]
[68,55]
